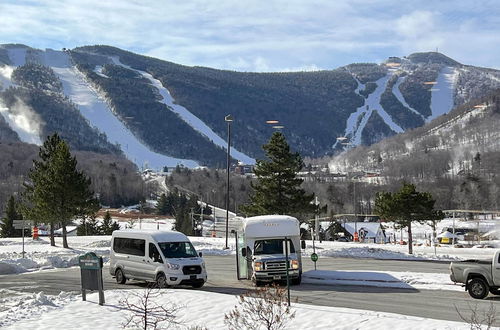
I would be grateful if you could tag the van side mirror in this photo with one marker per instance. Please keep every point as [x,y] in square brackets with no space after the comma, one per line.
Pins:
[200,254]
[303,244]
[244,252]
[158,259]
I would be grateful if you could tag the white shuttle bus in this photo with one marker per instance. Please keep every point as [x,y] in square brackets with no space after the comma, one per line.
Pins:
[261,249]
[164,257]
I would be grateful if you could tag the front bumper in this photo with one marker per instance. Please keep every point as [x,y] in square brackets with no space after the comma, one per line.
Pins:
[269,276]
[181,279]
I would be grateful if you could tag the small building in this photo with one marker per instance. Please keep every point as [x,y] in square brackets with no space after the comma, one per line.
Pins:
[370,232]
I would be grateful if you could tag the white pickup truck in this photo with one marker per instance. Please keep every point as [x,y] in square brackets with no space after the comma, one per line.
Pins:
[479,276]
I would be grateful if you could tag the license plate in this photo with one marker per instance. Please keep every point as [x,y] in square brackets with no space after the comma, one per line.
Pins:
[277,277]
[193,277]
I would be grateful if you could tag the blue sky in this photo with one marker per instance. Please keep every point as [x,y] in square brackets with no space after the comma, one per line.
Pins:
[272,35]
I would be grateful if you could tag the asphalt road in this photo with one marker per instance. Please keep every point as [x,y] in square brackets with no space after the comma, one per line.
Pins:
[222,279]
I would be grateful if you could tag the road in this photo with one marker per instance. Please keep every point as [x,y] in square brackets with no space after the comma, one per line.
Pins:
[435,304]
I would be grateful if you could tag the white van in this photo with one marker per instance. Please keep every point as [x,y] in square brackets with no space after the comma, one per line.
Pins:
[261,249]
[165,257]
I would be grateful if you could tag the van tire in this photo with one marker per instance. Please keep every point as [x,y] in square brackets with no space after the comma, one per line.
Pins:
[478,288]
[120,277]
[297,281]
[161,281]
[197,285]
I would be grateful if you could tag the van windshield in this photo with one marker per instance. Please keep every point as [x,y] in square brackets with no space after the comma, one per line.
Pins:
[177,249]
[271,246]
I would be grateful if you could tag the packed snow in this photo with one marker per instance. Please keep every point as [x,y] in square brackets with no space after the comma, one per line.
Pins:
[442,92]
[401,280]
[195,308]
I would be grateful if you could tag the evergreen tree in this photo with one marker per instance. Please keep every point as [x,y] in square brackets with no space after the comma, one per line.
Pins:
[405,206]
[108,225]
[278,189]
[162,205]
[88,227]
[58,190]
[7,224]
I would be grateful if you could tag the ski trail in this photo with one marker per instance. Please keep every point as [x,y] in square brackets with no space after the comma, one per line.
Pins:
[442,94]
[95,109]
[355,126]
[193,121]
[400,97]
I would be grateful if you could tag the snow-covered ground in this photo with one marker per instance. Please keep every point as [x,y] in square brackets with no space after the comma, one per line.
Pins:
[442,92]
[196,308]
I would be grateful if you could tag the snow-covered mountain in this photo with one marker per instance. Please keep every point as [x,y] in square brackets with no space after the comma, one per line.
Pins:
[162,114]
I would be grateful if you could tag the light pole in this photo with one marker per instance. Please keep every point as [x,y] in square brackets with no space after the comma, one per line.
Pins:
[228,119]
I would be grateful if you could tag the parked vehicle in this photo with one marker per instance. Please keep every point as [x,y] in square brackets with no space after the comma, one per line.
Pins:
[261,249]
[479,276]
[167,258]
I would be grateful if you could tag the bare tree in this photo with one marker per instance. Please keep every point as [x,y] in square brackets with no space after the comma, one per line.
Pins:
[263,308]
[478,319]
[146,312]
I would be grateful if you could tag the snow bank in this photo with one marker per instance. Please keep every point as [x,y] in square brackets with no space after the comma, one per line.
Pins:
[199,308]
[401,280]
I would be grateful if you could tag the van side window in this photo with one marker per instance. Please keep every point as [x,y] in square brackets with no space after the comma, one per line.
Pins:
[132,246]
[153,253]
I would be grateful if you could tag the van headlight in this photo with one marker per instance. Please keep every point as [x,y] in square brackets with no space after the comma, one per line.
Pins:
[173,266]
[257,266]
[203,265]
[295,264]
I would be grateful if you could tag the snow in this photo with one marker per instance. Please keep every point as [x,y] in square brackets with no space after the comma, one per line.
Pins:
[358,120]
[95,109]
[401,280]
[442,94]
[187,116]
[196,308]
[397,92]
[271,226]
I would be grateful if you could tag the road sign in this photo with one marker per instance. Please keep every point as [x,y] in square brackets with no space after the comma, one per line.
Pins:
[20,224]
[314,257]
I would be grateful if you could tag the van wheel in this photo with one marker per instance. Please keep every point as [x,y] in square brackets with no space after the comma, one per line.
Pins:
[161,281]
[198,285]
[120,277]
[478,289]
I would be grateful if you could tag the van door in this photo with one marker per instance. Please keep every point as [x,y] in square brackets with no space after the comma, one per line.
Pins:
[153,261]
[132,252]
[241,260]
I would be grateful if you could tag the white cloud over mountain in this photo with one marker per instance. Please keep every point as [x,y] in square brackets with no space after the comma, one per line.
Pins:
[272,35]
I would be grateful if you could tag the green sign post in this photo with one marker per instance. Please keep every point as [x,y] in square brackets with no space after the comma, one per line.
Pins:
[91,275]
[314,258]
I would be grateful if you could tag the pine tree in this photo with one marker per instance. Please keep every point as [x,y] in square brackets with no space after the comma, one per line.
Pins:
[278,189]
[162,205]
[7,224]
[58,190]
[88,227]
[405,206]
[108,225]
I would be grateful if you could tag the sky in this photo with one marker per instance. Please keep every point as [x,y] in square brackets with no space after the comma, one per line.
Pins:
[271,35]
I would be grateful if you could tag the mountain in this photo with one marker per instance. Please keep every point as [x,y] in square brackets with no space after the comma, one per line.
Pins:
[104,99]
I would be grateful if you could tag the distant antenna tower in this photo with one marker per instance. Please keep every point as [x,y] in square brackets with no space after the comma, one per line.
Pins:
[437,50]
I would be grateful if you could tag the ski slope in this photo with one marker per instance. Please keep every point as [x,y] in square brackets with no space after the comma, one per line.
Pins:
[95,109]
[193,121]
[442,92]
[358,119]
[400,97]
[21,119]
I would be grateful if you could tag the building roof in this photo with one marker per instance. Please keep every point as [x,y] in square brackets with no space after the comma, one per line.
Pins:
[371,227]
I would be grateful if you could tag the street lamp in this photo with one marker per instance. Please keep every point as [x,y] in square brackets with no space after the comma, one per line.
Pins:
[228,119]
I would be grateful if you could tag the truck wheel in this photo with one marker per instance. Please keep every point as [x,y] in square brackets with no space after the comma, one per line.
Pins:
[120,277]
[478,289]
[161,281]
[297,281]
[259,283]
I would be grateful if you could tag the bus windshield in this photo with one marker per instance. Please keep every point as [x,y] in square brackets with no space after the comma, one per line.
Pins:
[271,246]
[177,249]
